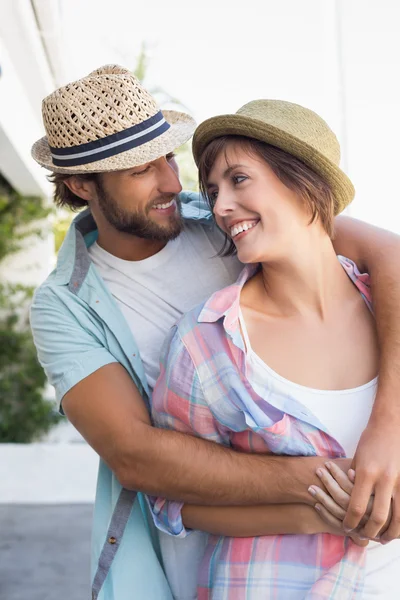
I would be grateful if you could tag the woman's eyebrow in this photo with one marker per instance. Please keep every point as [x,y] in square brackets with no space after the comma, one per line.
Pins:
[226,173]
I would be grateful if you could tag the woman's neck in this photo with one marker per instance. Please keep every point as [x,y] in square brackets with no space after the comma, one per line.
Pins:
[311,280]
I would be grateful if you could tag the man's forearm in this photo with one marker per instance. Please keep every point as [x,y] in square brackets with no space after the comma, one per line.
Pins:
[181,467]
[385,285]
[378,252]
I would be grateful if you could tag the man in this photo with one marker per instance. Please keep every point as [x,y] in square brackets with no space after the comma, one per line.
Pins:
[129,267]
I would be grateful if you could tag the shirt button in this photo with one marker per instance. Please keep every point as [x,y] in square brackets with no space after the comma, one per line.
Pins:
[112,540]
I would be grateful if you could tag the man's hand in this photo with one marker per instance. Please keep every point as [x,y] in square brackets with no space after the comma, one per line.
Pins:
[377,467]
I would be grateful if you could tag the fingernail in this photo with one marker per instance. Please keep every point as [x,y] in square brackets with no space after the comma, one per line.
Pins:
[319,472]
[312,491]
[328,465]
[362,538]
[317,507]
[347,529]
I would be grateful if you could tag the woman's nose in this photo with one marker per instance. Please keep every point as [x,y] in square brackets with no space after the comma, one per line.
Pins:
[224,204]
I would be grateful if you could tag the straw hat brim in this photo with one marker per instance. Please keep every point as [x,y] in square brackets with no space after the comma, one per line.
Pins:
[210,129]
[180,131]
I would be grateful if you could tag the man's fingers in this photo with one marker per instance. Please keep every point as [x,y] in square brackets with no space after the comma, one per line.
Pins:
[327,502]
[333,488]
[336,524]
[359,541]
[380,509]
[393,531]
[341,477]
[358,503]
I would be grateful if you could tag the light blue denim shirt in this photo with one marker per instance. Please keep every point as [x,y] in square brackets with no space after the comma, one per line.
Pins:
[78,328]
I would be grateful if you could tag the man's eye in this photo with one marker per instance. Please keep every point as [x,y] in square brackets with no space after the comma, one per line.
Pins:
[141,172]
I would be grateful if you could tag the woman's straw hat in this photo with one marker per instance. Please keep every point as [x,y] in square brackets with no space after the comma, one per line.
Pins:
[106,122]
[293,128]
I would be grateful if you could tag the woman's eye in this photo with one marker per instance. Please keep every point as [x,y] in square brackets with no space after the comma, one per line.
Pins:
[171,155]
[239,178]
[213,195]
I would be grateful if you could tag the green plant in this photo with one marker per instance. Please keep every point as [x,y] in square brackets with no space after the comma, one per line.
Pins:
[18,215]
[24,412]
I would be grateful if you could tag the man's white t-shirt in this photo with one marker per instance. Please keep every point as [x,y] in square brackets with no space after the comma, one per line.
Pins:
[153,293]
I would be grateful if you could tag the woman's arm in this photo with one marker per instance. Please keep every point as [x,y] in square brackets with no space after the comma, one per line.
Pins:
[377,459]
[251,521]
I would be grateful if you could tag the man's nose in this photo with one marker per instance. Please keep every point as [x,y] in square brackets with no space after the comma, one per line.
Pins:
[168,177]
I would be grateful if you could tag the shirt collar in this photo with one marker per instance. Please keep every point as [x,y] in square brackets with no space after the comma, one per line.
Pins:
[225,303]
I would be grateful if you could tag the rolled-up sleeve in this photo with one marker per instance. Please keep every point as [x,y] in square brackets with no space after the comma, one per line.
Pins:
[67,351]
[179,404]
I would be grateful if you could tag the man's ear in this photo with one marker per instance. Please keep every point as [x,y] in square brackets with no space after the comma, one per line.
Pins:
[83,188]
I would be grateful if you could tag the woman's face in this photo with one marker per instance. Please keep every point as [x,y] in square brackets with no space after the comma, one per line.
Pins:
[265,219]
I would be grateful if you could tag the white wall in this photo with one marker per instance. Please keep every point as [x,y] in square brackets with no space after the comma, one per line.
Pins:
[339,57]
[26,77]
[371,40]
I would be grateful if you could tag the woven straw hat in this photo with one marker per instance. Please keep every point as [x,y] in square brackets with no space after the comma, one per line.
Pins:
[106,122]
[293,128]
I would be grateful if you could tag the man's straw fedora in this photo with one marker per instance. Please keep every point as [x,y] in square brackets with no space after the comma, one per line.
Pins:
[106,121]
[293,128]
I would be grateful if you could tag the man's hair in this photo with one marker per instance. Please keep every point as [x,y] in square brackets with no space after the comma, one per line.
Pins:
[292,172]
[63,196]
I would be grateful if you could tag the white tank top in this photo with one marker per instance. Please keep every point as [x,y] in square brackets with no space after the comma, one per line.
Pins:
[345,414]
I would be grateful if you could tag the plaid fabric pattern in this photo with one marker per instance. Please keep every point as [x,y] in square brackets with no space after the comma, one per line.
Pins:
[203,390]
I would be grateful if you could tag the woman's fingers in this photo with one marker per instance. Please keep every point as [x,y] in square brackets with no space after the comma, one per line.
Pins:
[339,495]
[332,521]
[341,477]
[328,503]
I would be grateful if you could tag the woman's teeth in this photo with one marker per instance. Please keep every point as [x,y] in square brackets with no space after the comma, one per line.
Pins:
[240,227]
[167,205]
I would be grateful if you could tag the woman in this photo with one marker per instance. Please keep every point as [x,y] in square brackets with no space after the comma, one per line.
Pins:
[284,361]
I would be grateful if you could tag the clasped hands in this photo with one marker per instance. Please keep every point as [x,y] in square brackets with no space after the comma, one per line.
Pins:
[333,501]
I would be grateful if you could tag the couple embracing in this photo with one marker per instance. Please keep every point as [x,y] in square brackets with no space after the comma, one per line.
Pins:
[257,456]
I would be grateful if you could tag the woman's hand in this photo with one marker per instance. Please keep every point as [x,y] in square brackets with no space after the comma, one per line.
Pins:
[332,506]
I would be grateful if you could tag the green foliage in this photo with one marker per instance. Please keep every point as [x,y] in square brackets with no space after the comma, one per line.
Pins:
[18,215]
[24,413]
[61,226]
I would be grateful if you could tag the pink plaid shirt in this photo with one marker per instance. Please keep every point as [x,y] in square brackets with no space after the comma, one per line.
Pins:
[204,390]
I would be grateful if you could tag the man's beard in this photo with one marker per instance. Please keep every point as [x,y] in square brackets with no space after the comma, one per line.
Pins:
[138,223]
